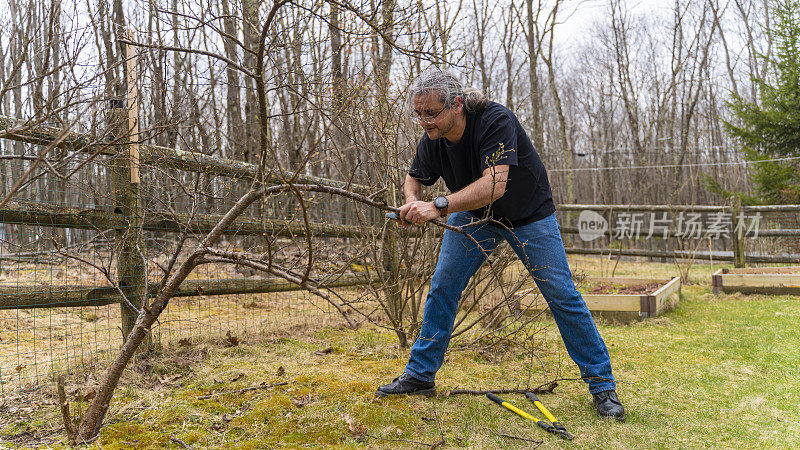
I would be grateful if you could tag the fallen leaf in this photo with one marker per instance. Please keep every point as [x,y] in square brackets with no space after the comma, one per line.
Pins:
[303,401]
[324,352]
[232,340]
[168,378]
[89,394]
[237,378]
[356,428]
[183,363]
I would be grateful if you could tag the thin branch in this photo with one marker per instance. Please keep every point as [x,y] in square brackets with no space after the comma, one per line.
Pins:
[189,50]
[234,256]
[65,415]
[546,388]
[263,385]
[511,436]
[42,155]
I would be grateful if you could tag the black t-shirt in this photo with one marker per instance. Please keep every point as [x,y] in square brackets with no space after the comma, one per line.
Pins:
[492,137]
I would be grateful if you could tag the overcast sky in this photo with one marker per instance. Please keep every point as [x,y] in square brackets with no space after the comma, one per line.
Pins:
[578,20]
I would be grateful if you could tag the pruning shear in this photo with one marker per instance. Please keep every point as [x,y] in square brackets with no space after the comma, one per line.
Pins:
[560,429]
[553,426]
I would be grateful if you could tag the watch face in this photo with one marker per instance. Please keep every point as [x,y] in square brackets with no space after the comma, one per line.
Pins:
[440,202]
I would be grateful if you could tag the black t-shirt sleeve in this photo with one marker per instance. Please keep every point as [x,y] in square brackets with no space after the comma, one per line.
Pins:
[498,146]
[423,167]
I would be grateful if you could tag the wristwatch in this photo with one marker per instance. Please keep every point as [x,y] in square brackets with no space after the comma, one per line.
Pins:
[441,203]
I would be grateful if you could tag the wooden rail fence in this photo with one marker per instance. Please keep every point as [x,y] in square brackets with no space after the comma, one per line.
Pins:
[61,296]
[128,206]
[42,214]
[128,217]
[735,231]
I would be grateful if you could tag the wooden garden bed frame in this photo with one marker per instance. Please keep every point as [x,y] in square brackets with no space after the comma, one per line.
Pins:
[757,280]
[622,307]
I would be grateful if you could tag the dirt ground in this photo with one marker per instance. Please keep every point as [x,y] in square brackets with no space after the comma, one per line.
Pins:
[615,288]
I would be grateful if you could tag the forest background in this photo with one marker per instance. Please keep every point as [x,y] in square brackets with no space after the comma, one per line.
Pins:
[626,103]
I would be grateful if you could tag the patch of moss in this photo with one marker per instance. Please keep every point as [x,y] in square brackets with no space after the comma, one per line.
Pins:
[132,435]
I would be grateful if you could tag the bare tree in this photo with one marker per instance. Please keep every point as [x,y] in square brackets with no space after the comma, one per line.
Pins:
[566,151]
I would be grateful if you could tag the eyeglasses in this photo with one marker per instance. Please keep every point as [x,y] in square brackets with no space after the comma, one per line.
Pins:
[427,118]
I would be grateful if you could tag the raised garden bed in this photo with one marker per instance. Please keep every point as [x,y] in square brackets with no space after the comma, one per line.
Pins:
[759,280]
[620,299]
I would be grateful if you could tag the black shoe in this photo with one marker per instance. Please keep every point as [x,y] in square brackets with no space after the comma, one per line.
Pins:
[405,384]
[608,405]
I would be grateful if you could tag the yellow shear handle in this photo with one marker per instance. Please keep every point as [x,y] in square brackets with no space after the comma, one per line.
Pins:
[511,407]
[519,411]
[545,411]
[532,397]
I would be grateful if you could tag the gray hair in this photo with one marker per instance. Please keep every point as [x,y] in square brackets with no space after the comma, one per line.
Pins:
[448,87]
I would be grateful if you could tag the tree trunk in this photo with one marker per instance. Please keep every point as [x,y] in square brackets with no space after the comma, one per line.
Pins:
[533,76]
[566,150]
[235,128]
[250,26]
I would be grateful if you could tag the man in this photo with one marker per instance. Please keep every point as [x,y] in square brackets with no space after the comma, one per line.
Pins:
[489,164]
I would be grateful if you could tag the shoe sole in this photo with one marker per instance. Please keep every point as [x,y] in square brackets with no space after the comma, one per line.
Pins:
[423,392]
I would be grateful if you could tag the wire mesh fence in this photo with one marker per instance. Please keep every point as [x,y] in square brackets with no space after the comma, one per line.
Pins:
[61,271]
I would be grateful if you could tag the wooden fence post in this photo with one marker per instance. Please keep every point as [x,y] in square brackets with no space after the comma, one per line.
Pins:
[737,232]
[391,267]
[127,198]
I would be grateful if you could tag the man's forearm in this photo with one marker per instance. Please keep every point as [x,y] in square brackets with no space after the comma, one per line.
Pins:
[480,192]
[412,189]
[475,195]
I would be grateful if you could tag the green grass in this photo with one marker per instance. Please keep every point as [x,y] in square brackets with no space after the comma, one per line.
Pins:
[717,372]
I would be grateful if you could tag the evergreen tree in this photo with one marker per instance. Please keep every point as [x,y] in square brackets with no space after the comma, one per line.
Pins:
[770,128]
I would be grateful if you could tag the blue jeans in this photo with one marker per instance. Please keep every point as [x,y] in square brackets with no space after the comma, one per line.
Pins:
[540,248]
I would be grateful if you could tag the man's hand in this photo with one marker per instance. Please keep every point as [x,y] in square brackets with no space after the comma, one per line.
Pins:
[418,212]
